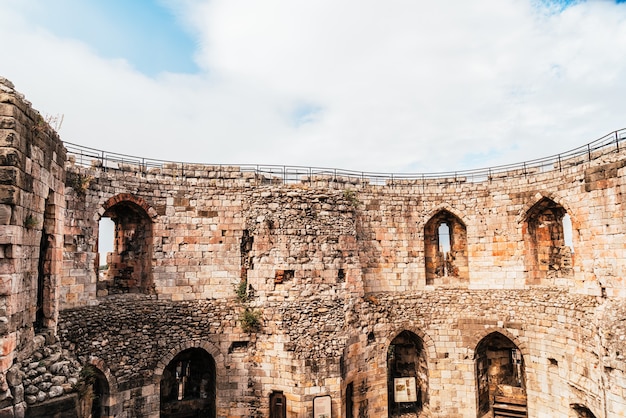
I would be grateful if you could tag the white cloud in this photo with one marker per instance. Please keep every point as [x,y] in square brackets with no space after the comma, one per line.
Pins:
[393,86]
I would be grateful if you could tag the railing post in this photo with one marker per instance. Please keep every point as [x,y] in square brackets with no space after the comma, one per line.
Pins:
[559,156]
[589,151]
[617,141]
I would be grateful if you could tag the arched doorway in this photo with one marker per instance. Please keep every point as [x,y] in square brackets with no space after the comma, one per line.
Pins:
[188,385]
[500,377]
[94,400]
[407,376]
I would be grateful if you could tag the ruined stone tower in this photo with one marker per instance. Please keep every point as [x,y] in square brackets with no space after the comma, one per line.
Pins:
[241,292]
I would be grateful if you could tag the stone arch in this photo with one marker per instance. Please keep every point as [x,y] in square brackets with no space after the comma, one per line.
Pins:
[429,344]
[536,198]
[97,399]
[407,358]
[477,337]
[207,346]
[127,197]
[582,411]
[129,266]
[547,256]
[445,253]
[99,364]
[443,207]
[500,376]
[187,383]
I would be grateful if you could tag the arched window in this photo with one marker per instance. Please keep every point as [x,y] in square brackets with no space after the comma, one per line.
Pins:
[547,233]
[500,377]
[407,375]
[445,241]
[188,385]
[127,268]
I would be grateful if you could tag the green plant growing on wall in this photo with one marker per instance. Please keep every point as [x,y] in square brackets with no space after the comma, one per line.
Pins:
[241,290]
[30,222]
[86,379]
[80,183]
[250,320]
[351,197]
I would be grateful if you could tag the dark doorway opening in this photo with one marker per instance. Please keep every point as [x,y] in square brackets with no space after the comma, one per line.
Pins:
[278,405]
[500,375]
[188,386]
[407,376]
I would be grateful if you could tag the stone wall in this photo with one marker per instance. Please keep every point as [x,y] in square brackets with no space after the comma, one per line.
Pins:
[32,205]
[299,289]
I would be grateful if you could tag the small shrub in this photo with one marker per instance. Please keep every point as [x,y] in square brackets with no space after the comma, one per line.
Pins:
[80,183]
[241,290]
[250,320]
[351,197]
[86,379]
[30,222]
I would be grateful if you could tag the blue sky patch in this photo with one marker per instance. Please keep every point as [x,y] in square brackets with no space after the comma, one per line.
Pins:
[146,33]
[304,113]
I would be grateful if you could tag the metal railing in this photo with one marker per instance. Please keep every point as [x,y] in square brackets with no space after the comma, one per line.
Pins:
[86,156]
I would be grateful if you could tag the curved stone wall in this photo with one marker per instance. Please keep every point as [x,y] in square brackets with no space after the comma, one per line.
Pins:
[302,290]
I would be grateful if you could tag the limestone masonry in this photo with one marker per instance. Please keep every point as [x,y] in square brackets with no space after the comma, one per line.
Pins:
[236,293]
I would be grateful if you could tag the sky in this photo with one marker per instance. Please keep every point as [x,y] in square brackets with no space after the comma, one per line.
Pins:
[395,86]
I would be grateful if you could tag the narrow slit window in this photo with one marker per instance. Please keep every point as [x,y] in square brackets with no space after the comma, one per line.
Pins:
[567,232]
[106,233]
[444,245]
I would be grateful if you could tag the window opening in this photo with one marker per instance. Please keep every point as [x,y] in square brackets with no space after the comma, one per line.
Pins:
[567,232]
[445,250]
[106,236]
[444,246]
[548,241]
[128,265]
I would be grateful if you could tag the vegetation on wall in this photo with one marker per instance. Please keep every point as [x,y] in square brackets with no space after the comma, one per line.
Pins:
[241,290]
[30,222]
[80,183]
[250,320]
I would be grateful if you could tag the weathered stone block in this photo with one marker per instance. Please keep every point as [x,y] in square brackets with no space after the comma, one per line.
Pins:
[9,195]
